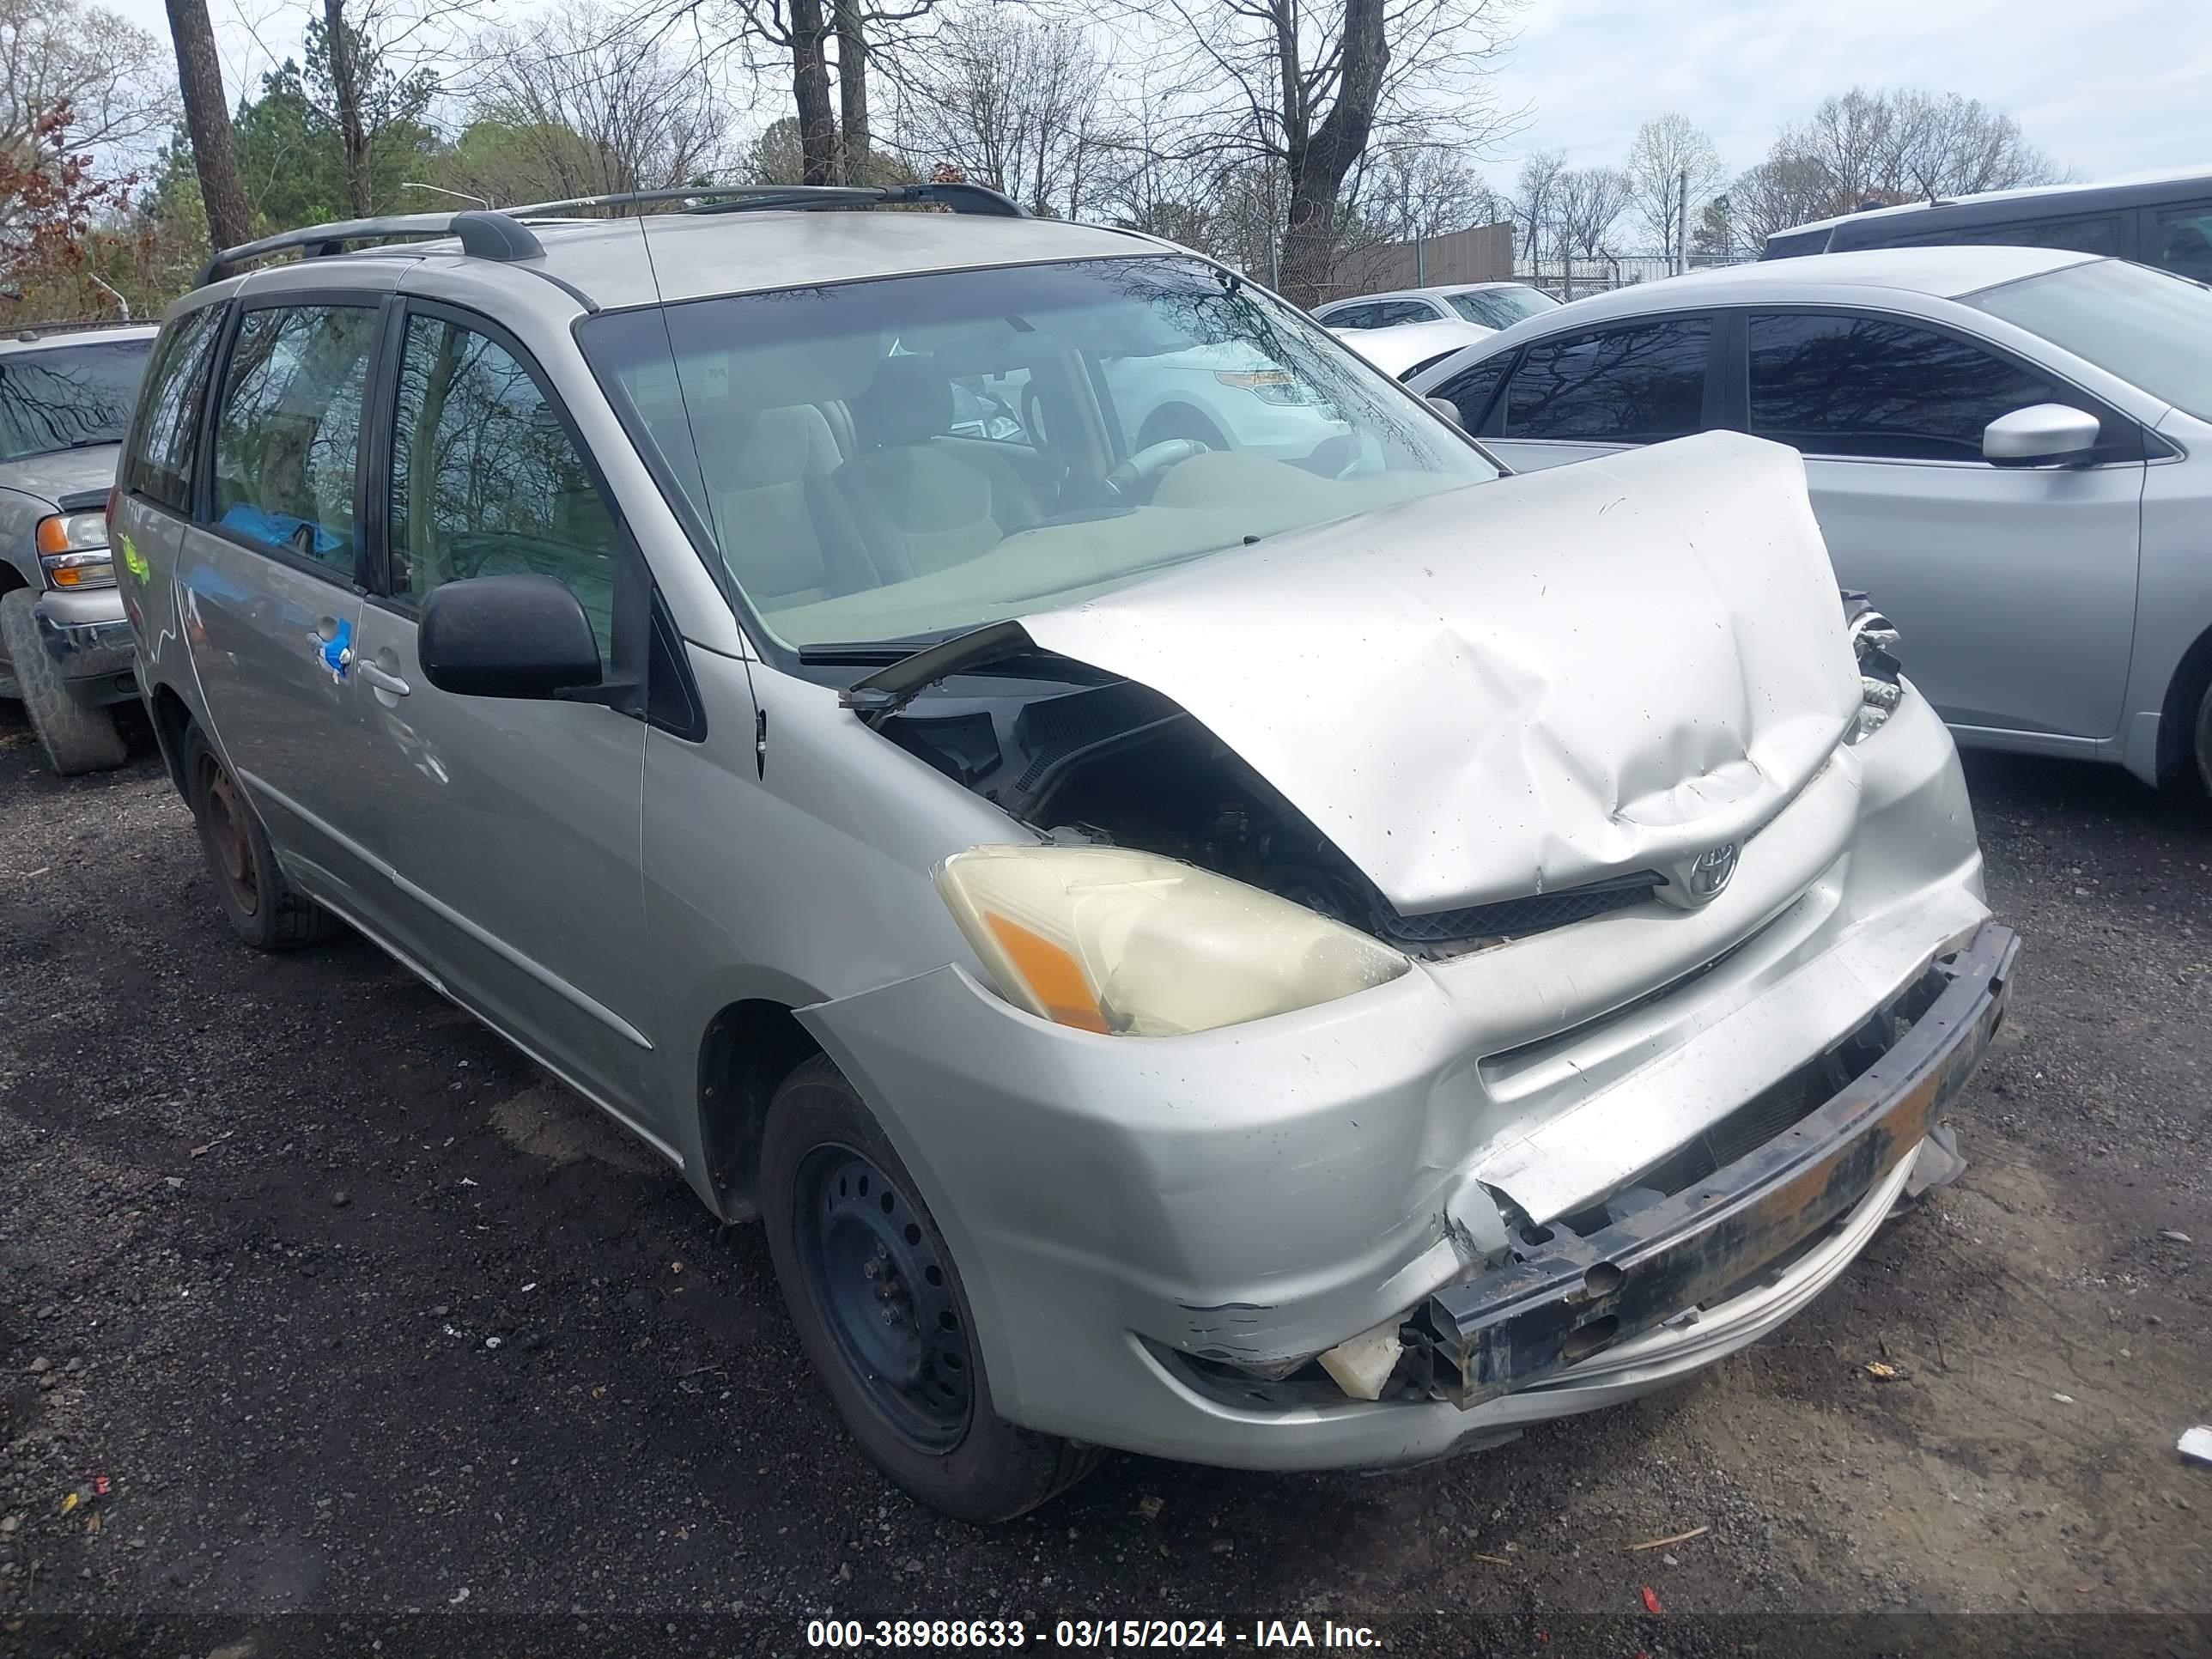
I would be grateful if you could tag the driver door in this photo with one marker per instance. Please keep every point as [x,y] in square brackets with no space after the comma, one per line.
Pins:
[513,828]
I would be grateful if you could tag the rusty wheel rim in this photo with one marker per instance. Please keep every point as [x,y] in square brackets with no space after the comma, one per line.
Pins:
[230,845]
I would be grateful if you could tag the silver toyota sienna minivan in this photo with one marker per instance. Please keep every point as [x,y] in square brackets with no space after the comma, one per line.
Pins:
[1290,960]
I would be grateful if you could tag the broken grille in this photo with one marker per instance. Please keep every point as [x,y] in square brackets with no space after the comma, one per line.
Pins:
[1509,917]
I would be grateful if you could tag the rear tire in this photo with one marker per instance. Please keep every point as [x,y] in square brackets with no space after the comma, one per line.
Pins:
[882,1313]
[262,907]
[76,739]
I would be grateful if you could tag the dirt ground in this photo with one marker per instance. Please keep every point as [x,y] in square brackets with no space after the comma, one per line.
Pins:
[329,1324]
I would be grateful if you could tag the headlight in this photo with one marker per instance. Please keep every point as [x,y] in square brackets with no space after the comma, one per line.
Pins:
[1269,386]
[1874,642]
[1105,938]
[73,550]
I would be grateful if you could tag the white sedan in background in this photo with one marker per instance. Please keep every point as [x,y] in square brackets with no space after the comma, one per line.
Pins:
[2010,449]
[1491,304]
[1409,347]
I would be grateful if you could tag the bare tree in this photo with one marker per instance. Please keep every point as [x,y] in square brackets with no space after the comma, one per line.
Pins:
[1413,192]
[341,41]
[1952,145]
[1013,104]
[1896,146]
[563,107]
[1669,154]
[1590,203]
[1310,85]
[1536,206]
[853,136]
[792,35]
[1782,191]
[107,71]
[791,40]
[207,120]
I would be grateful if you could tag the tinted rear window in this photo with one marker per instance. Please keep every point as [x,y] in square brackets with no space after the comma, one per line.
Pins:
[2181,241]
[1789,244]
[1625,385]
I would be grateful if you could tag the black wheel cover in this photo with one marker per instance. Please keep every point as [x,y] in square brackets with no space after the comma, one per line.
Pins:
[872,1271]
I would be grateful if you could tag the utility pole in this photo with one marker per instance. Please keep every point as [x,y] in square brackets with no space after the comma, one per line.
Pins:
[1682,221]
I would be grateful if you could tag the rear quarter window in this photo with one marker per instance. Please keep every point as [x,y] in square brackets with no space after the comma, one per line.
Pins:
[159,463]
[1637,383]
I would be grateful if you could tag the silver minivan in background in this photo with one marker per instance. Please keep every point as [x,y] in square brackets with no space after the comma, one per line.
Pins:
[1279,960]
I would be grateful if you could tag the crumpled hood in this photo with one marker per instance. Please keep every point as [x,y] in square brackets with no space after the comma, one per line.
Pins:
[1520,686]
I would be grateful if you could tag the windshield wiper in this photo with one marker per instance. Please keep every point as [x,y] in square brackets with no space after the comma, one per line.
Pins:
[884,693]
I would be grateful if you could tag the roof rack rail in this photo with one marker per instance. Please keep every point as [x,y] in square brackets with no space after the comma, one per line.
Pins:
[736,198]
[487,235]
[501,233]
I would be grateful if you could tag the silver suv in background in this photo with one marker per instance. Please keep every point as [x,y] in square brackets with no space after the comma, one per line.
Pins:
[66,396]
[1281,961]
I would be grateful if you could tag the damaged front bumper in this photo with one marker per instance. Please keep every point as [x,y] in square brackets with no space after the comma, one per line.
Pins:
[1571,1296]
[1159,1239]
[88,637]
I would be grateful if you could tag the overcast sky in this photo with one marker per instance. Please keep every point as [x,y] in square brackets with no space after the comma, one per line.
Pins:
[2109,87]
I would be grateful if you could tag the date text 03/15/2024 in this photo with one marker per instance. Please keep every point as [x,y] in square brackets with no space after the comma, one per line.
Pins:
[1260,1636]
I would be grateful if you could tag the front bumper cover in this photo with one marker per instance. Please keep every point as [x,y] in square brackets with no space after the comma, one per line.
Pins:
[87,635]
[1572,1296]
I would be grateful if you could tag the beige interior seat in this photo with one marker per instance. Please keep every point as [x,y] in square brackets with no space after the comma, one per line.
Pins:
[920,502]
[767,473]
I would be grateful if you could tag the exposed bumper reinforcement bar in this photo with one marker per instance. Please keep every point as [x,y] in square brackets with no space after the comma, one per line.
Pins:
[79,636]
[1516,1326]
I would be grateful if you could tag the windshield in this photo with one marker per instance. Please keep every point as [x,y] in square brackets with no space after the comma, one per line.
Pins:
[905,458]
[68,397]
[2151,329]
[1502,307]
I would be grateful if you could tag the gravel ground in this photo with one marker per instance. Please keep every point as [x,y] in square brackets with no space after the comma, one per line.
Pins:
[329,1324]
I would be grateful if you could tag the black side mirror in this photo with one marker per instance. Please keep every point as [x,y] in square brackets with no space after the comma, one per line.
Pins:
[507,636]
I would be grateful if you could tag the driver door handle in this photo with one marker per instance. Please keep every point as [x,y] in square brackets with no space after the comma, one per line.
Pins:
[382,680]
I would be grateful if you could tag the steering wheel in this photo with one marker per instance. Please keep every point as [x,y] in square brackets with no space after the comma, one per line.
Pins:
[1150,462]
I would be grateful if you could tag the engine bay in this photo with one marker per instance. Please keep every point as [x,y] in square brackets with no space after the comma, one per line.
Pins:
[1086,758]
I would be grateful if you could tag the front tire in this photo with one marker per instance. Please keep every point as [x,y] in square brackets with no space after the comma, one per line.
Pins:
[883,1314]
[2204,739]
[1175,422]
[76,739]
[262,907]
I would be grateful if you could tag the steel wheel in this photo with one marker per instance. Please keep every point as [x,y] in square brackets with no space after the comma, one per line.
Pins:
[873,1273]
[229,839]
